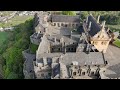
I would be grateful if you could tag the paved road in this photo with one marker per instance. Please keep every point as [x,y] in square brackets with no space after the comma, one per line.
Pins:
[113,57]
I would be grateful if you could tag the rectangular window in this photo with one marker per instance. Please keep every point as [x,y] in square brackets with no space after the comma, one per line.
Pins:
[73,25]
[74,73]
[62,24]
[83,73]
[65,25]
[54,24]
[58,24]
[76,25]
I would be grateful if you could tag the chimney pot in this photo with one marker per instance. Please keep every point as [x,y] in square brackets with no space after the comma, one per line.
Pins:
[98,19]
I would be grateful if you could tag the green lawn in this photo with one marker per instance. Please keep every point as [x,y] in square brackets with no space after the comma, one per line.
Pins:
[15,21]
[117,42]
[3,37]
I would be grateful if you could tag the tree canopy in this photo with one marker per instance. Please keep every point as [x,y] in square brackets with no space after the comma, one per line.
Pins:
[12,56]
[72,13]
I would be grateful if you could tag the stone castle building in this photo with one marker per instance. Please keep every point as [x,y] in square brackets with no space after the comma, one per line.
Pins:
[67,52]
[97,34]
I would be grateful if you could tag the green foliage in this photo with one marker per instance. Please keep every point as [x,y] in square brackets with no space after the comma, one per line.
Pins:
[117,42]
[12,54]
[84,15]
[33,48]
[72,13]
[12,75]
[3,37]
[111,17]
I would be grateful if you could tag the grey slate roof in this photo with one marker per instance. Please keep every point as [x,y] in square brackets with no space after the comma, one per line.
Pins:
[65,18]
[56,70]
[95,28]
[66,39]
[94,58]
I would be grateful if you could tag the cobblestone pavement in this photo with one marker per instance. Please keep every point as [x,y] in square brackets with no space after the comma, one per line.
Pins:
[113,57]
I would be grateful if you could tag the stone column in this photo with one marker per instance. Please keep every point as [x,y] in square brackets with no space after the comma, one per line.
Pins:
[55,39]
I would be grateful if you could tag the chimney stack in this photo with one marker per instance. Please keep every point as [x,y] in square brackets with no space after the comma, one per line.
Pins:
[71,35]
[65,50]
[87,20]
[98,19]
[89,25]
[103,24]
[45,61]
[61,40]
[55,39]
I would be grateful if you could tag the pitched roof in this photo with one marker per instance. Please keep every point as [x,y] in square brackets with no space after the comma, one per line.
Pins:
[94,58]
[95,27]
[65,18]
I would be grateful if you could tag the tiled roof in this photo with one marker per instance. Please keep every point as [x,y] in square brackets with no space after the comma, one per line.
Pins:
[93,58]
[65,18]
[95,28]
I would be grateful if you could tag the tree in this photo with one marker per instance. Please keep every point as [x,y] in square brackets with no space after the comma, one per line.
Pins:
[12,75]
[13,67]
[72,13]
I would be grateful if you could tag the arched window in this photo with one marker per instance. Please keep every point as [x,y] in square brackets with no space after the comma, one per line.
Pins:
[62,24]
[102,43]
[59,49]
[74,73]
[58,24]
[65,25]
[73,25]
[83,73]
[54,24]
[68,49]
[76,25]
[92,73]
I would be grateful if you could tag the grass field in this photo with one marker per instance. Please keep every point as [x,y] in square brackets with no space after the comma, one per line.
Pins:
[15,21]
[3,37]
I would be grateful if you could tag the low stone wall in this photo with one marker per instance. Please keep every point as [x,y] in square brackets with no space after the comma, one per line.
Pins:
[7,29]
